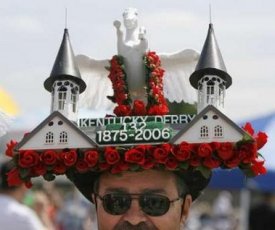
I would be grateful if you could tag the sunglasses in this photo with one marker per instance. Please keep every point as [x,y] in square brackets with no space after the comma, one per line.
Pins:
[151,204]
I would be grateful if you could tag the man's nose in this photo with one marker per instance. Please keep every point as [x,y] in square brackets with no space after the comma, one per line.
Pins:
[134,215]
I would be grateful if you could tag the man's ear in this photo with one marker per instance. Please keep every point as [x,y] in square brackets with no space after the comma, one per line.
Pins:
[186,208]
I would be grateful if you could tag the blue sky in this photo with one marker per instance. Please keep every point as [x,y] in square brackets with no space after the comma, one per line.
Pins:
[31,32]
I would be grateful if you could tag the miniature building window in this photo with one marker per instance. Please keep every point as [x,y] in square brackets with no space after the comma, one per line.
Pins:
[73,98]
[62,93]
[210,87]
[210,92]
[49,138]
[204,132]
[218,132]
[63,137]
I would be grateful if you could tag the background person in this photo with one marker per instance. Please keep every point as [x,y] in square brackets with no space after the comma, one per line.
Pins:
[262,215]
[13,214]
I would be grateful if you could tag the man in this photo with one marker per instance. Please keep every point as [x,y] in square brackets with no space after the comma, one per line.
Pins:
[147,200]
[13,214]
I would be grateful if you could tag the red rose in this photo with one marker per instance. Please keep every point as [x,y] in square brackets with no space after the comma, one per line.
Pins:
[69,158]
[204,150]
[158,72]
[248,128]
[148,163]
[103,166]
[261,139]
[82,166]
[143,148]
[183,151]
[134,156]
[39,169]
[232,163]
[258,167]
[211,163]
[28,158]
[153,59]
[122,110]
[120,89]
[91,157]
[13,178]
[59,168]
[49,157]
[10,148]
[160,154]
[247,152]
[168,147]
[195,161]
[28,184]
[139,108]
[215,145]
[156,91]
[171,163]
[158,110]
[111,155]
[225,152]
[113,61]
[120,167]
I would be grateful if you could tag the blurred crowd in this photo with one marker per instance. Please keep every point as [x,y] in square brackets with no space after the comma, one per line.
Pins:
[47,206]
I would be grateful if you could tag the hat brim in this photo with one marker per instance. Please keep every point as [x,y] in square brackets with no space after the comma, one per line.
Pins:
[194,180]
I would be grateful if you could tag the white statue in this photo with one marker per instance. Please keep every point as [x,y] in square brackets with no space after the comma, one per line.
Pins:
[132,47]
[178,67]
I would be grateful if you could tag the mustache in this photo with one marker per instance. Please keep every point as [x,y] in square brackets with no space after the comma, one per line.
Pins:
[141,226]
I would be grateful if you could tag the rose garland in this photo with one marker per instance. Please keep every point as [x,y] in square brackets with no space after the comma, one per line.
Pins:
[197,156]
[156,105]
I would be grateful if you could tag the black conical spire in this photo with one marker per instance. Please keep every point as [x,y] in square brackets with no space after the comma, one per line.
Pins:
[210,62]
[65,66]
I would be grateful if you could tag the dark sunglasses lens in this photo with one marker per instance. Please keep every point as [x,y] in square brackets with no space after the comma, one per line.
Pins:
[116,204]
[154,205]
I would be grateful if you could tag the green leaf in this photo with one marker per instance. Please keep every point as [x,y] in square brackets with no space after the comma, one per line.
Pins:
[50,167]
[134,167]
[260,155]
[183,165]
[247,137]
[24,173]
[206,172]
[248,172]
[49,177]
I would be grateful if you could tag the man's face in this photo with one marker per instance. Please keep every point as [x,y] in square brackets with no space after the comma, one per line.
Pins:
[148,181]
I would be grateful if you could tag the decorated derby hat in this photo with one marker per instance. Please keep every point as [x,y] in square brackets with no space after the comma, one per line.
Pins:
[141,134]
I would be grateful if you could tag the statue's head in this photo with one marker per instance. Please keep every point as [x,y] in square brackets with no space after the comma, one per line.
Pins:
[130,18]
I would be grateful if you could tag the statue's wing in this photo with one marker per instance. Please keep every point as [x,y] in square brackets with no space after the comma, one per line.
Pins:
[99,85]
[5,122]
[178,68]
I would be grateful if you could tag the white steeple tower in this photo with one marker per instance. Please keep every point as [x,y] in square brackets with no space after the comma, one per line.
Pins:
[65,82]
[210,77]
